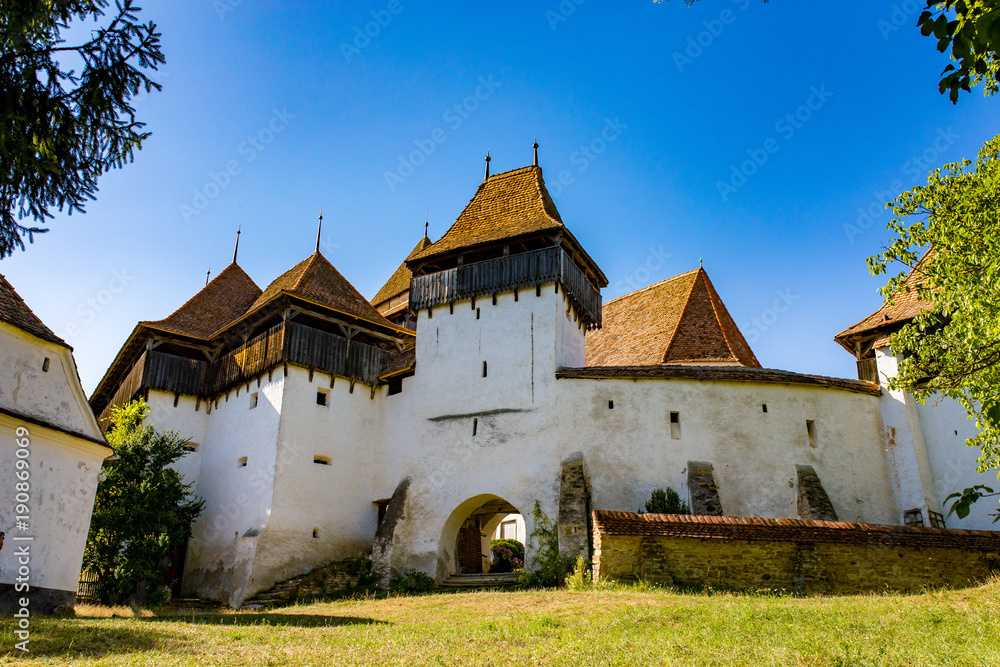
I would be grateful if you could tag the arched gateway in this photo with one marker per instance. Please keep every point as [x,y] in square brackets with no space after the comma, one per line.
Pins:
[464,547]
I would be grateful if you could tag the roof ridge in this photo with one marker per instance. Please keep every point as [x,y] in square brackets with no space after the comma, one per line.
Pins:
[684,310]
[195,295]
[649,287]
[713,296]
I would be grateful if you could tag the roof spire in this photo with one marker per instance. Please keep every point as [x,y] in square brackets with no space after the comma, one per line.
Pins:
[236,250]
[208,275]
[427,222]
[488,158]
[699,263]
[319,230]
[535,146]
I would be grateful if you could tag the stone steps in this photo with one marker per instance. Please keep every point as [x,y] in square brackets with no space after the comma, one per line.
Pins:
[481,581]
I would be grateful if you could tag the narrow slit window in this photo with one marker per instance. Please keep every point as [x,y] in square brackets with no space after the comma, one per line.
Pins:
[675,426]
[242,463]
[321,397]
[484,369]
[322,460]
[253,400]
[611,405]
[190,446]
[45,365]
[811,432]
[763,407]
[475,425]
[315,533]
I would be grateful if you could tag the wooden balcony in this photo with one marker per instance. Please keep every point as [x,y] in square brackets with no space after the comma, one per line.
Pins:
[506,274]
[868,370]
[284,343]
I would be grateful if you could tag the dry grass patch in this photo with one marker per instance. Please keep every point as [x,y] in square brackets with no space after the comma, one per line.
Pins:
[616,626]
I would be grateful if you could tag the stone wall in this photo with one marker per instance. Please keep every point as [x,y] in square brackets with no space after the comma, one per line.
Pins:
[337,578]
[804,557]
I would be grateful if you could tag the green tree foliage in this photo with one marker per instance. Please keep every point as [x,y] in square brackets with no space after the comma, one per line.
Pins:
[953,348]
[666,501]
[971,29]
[66,111]
[143,511]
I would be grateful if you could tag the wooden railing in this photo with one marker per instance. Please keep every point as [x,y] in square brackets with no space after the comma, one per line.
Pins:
[290,343]
[524,270]
[868,370]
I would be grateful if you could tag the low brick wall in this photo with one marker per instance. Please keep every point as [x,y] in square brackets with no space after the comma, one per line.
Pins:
[797,555]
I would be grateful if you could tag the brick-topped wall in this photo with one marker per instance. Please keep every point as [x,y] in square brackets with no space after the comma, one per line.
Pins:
[801,556]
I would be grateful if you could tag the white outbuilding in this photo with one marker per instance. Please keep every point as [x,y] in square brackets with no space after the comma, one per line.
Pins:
[51,452]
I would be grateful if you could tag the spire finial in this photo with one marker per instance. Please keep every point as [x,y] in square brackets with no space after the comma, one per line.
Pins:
[488,158]
[236,250]
[427,222]
[208,275]
[535,146]
[319,229]
[699,263]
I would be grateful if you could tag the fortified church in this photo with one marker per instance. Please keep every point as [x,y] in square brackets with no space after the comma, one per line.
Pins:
[487,376]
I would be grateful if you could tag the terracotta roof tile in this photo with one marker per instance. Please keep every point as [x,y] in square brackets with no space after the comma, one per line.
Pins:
[906,305]
[505,206]
[15,312]
[717,374]
[404,362]
[220,303]
[803,531]
[399,282]
[316,280]
[678,320]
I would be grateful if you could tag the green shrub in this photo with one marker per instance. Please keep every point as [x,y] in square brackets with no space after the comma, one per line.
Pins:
[579,579]
[508,555]
[550,568]
[411,581]
[142,513]
[666,501]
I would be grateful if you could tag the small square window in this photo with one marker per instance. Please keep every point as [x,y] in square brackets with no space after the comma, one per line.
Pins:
[321,397]
[611,405]
[322,460]
[315,533]
[253,400]
[242,462]
[763,407]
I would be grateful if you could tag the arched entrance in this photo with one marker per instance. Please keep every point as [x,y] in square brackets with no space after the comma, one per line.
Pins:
[465,540]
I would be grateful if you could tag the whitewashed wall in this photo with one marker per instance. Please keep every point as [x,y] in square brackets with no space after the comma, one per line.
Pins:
[335,500]
[63,483]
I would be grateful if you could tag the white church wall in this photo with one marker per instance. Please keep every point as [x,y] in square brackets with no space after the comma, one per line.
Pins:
[62,484]
[459,435]
[912,478]
[237,483]
[630,450]
[946,428]
[333,498]
[189,419]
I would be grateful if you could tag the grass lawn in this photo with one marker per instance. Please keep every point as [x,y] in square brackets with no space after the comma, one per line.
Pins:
[617,626]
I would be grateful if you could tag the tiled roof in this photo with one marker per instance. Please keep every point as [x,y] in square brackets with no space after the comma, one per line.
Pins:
[220,303]
[505,206]
[404,362]
[678,320]
[803,531]
[315,279]
[717,374]
[906,305]
[399,282]
[15,312]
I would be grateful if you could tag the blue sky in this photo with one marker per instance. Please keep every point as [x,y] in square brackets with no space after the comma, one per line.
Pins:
[273,110]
